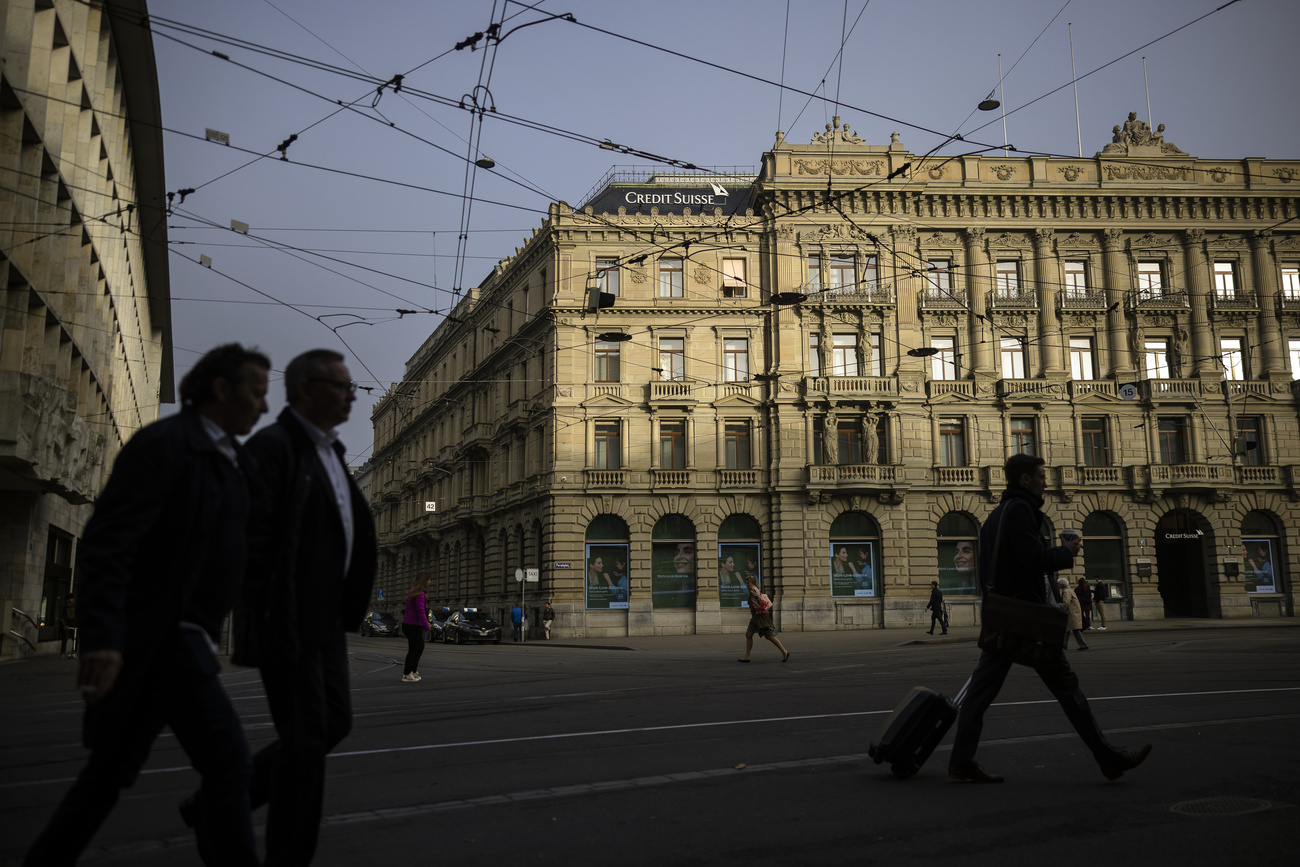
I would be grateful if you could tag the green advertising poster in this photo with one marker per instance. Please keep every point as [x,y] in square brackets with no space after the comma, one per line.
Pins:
[958,567]
[607,578]
[736,562]
[672,579]
[853,568]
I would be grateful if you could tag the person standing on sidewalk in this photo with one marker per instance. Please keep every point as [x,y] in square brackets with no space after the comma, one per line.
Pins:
[160,562]
[517,620]
[415,623]
[1022,559]
[1085,601]
[1099,600]
[936,609]
[548,617]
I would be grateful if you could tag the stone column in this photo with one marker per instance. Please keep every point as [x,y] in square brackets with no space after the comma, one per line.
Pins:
[1046,277]
[1118,285]
[1203,354]
[1270,334]
[977,289]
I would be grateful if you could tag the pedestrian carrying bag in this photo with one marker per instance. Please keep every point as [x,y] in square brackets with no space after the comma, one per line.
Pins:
[1028,633]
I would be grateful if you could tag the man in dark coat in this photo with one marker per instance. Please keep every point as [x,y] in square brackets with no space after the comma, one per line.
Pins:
[1023,562]
[936,609]
[160,562]
[311,568]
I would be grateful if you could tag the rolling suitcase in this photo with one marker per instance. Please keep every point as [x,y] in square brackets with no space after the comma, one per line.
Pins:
[914,729]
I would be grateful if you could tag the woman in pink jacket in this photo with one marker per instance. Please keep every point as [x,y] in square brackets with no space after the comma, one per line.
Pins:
[415,621]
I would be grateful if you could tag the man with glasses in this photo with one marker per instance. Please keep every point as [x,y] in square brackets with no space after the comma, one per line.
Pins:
[312,561]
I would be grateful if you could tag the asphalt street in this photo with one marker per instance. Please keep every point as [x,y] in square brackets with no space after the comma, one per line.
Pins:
[665,751]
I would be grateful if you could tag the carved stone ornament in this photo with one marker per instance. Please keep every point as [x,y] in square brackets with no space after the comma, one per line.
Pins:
[1149,240]
[1004,172]
[636,273]
[1007,239]
[1225,240]
[702,275]
[1286,174]
[1194,236]
[836,134]
[1290,242]
[1218,175]
[938,239]
[1074,239]
[1072,173]
[936,173]
[904,235]
[865,168]
[1135,138]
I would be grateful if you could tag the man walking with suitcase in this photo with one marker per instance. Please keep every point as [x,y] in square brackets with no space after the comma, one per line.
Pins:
[1023,562]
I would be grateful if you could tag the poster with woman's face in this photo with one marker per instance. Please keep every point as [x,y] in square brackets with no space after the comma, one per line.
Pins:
[958,567]
[736,562]
[853,569]
[672,579]
[607,576]
[1257,567]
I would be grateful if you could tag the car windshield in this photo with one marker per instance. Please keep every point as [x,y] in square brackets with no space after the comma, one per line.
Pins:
[478,618]
[383,617]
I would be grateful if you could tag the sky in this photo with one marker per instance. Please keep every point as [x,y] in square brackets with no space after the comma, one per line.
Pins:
[376,208]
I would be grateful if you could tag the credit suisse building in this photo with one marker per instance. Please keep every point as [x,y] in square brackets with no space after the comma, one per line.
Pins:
[813,373]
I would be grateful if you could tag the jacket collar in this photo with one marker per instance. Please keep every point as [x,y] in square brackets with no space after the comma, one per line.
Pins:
[1015,492]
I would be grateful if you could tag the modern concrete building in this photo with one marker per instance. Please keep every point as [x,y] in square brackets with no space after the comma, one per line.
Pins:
[85,342]
[814,372]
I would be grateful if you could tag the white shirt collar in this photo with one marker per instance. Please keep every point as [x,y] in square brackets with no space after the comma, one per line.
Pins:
[224,442]
[318,436]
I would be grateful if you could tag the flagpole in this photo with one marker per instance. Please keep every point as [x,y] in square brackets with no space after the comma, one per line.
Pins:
[1147,88]
[1003,95]
[1074,81]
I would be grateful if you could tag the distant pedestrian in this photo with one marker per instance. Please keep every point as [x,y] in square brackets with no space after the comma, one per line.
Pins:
[415,623]
[760,621]
[548,617]
[517,621]
[936,609]
[1085,601]
[1070,602]
[1099,593]
[68,626]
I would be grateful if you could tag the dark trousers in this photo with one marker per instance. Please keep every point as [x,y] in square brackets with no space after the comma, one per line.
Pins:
[414,646]
[312,708]
[177,687]
[986,682]
[936,616]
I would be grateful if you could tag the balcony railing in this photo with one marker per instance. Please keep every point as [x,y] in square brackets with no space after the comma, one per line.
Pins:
[852,385]
[957,475]
[672,390]
[1020,297]
[1166,389]
[1102,475]
[606,478]
[859,474]
[1029,389]
[866,292]
[936,387]
[739,478]
[1075,300]
[1239,300]
[605,389]
[1164,298]
[671,478]
[1081,387]
[942,299]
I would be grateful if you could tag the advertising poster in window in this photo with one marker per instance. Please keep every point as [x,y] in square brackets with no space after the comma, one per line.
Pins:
[958,567]
[607,578]
[672,577]
[1257,565]
[853,571]
[736,563]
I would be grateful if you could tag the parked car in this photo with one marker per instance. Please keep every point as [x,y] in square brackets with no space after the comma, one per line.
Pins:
[469,625]
[380,623]
[437,617]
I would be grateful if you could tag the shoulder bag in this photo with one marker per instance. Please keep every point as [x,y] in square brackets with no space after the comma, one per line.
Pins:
[1018,631]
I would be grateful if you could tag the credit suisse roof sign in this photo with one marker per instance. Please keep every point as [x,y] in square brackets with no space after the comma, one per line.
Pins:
[732,198]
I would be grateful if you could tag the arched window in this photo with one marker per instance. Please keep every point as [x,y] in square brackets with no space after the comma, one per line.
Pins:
[1260,551]
[672,557]
[1104,553]
[608,580]
[855,555]
[958,537]
[739,556]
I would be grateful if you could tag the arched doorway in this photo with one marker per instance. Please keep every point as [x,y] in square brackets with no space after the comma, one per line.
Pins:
[1180,560]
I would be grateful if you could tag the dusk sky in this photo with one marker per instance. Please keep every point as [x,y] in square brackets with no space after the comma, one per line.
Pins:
[363,218]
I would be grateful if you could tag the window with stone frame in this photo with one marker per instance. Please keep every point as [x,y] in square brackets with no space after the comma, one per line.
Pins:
[1172,433]
[1081,367]
[607,366]
[1249,442]
[608,445]
[952,442]
[1096,446]
[672,359]
[671,278]
[844,354]
[736,446]
[733,279]
[672,444]
[1156,351]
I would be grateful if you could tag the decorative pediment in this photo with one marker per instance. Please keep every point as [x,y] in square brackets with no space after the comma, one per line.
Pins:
[603,402]
[733,401]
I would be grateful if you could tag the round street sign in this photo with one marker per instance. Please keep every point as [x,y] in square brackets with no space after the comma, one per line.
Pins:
[1128,391]
[519,575]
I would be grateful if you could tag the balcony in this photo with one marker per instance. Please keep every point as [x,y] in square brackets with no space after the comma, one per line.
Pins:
[942,299]
[857,475]
[671,478]
[740,478]
[1179,390]
[866,292]
[1083,300]
[1030,389]
[956,476]
[673,391]
[605,478]
[605,389]
[852,386]
[1235,389]
[1018,298]
[1105,477]
[1163,298]
[937,387]
[1192,475]
[1233,301]
[1084,387]
[478,435]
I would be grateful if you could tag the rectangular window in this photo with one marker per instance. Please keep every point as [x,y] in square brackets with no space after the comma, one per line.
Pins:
[735,359]
[1076,279]
[868,273]
[1157,357]
[1023,440]
[1291,282]
[608,448]
[733,278]
[1173,440]
[882,439]
[819,441]
[814,274]
[1225,284]
[943,364]
[1250,447]
[736,446]
[952,442]
[874,365]
[839,274]
[1096,451]
[1081,358]
[1007,277]
[672,359]
[670,278]
[1293,350]
[938,277]
[1013,357]
[672,445]
[848,439]
[606,361]
[814,355]
[844,355]
[1151,282]
[607,275]
[1234,363]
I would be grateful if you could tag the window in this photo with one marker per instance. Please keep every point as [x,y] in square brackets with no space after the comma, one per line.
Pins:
[839,274]
[1293,350]
[814,274]
[672,445]
[670,278]
[1249,445]
[608,447]
[733,278]
[736,446]
[943,364]
[952,442]
[844,355]
[1157,355]
[815,355]
[735,359]
[1023,440]
[874,365]
[607,275]
[1150,280]
[848,440]
[1173,440]
[606,361]
[1225,286]
[854,556]
[672,359]
[1007,277]
[1096,451]
[869,274]
[958,538]
[1081,358]
[1013,357]
[1076,279]
[938,277]
[1234,365]
[1291,281]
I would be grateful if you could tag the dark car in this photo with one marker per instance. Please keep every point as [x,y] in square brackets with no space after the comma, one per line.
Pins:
[380,623]
[437,617]
[469,625]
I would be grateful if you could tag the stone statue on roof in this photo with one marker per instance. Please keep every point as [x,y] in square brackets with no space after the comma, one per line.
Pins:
[1135,138]
[836,133]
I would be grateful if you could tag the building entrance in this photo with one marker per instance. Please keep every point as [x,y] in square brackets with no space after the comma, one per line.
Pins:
[1180,561]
